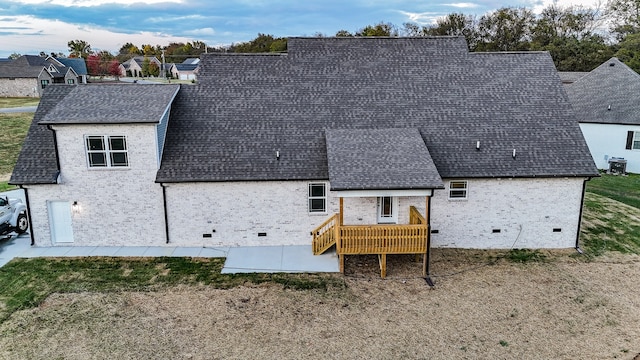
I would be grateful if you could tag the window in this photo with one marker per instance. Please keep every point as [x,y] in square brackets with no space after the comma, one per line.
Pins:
[107,151]
[317,198]
[44,83]
[458,189]
[70,81]
[633,140]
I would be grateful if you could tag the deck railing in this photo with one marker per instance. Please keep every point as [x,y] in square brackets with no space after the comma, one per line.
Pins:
[415,217]
[383,239]
[324,236]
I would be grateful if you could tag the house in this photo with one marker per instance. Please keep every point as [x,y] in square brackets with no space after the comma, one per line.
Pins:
[607,102]
[78,65]
[28,75]
[186,70]
[134,66]
[407,141]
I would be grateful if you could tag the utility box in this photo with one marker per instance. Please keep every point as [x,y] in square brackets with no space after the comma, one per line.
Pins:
[617,166]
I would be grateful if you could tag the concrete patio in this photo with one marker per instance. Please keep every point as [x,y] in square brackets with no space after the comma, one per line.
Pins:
[249,259]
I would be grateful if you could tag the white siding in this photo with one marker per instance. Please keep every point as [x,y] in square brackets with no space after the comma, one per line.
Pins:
[609,140]
[115,206]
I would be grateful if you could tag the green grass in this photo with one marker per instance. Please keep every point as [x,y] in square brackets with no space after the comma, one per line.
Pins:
[13,130]
[18,102]
[25,283]
[525,256]
[625,189]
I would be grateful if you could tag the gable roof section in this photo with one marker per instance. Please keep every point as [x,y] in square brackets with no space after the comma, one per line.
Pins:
[248,106]
[185,67]
[20,68]
[609,94]
[112,104]
[379,159]
[37,163]
[77,64]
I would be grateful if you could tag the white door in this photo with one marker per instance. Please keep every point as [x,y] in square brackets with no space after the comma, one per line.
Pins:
[60,220]
[387,210]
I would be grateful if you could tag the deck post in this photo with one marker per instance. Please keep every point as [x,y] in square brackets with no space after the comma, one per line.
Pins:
[382,258]
[427,255]
[338,231]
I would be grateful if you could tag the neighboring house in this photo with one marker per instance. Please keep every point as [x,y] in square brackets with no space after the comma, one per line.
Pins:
[133,67]
[411,138]
[28,75]
[187,70]
[607,104]
[78,65]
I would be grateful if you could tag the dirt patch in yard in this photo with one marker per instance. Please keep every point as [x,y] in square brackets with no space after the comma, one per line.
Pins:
[483,306]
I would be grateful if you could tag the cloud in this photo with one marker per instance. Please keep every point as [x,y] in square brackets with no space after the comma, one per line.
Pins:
[463,5]
[423,18]
[91,3]
[20,39]
[201,32]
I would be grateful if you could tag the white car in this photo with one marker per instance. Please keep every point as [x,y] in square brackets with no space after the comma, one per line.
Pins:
[13,216]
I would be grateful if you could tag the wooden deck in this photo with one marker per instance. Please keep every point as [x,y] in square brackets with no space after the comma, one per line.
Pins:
[412,238]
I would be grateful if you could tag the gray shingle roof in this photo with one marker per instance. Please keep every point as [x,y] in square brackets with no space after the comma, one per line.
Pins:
[247,107]
[20,68]
[376,159]
[77,64]
[609,94]
[37,163]
[112,104]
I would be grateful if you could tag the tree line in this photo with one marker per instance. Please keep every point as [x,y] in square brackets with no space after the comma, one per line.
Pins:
[573,35]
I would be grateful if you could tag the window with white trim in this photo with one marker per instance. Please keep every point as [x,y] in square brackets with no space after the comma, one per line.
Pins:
[44,83]
[71,81]
[107,151]
[458,189]
[317,198]
[633,140]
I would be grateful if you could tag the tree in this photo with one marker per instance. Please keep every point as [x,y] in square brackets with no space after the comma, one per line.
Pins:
[79,48]
[625,16]
[262,43]
[456,24]
[629,51]
[507,29]
[343,33]
[14,56]
[380,29]
[114,69]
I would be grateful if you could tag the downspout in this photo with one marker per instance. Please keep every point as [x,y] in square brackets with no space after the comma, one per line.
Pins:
[26,197]
[584,189]
[428,278]
[166,216]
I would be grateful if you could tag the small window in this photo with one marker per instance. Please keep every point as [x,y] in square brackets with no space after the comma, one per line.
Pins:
[633,140]
[458,189]
[71,81]
[107,151]
[317,198]
[44,83]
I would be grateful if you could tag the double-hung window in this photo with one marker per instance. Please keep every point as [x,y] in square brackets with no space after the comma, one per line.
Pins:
[458,189]
[633,140]
[317,198]
[107,151]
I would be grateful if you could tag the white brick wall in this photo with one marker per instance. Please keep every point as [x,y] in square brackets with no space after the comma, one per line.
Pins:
[116,206]
[524,210]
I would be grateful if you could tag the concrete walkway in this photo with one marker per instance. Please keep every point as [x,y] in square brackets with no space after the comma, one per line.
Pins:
[18,109]
[248,259]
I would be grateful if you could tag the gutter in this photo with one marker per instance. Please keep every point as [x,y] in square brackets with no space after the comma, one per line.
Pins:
[26,197]
[166,216]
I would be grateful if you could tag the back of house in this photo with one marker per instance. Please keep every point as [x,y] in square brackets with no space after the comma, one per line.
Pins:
[267,147]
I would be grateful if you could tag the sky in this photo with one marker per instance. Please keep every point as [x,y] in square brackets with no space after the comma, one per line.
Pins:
[32,26]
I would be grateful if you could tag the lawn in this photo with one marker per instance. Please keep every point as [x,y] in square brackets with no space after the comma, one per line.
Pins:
[625,189]
[13,127]
[18,102]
